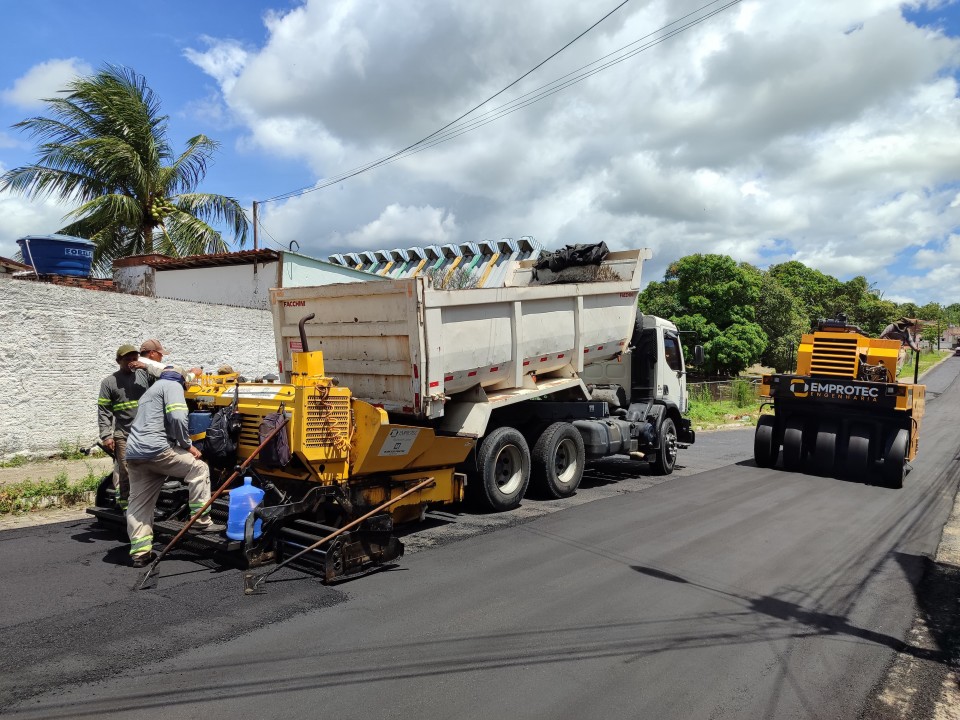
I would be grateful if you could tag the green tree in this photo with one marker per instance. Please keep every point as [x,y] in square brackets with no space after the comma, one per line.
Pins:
[818,293]
[716,298]
[865,306]
[104,145]
[783,320]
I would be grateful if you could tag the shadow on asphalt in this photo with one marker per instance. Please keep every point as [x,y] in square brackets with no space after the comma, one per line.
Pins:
[934,596]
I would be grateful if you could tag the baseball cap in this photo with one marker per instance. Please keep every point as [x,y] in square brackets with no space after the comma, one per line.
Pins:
[225,370]
[151,345]
[177,369]
[125,349]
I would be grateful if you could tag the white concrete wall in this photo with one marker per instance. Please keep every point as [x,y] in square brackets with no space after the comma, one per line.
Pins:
[235,285]
[58,343]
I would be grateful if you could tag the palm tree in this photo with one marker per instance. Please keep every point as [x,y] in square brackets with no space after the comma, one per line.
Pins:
[105,146]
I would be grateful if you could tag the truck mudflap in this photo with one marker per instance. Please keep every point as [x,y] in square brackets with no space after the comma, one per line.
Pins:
[686,435]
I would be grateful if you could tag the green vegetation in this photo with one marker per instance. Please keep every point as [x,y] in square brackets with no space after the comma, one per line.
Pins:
[743,315]
[28,494]
[15,462]
[927,360]
[712,414]
[105,146]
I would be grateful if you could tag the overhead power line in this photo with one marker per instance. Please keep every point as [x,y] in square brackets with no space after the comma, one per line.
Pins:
[455,128]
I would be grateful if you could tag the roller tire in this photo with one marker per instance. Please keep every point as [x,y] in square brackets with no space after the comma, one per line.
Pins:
[793,445]
[895,461]
[503,470]
[765,450]
[557,461]
[825,449]
[858,453]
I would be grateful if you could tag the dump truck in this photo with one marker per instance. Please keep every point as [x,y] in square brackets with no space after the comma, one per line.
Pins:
[387,383]
[842,413]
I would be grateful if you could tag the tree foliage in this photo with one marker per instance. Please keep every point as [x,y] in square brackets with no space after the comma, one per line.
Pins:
[714,298]
[742,315]
[104,145]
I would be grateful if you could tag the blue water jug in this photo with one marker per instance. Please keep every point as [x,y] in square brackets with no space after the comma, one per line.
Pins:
[242,502]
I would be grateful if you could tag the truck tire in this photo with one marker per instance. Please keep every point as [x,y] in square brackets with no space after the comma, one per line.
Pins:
[557,461]
[894,465]
[503,470]
[666,458]
[764,451]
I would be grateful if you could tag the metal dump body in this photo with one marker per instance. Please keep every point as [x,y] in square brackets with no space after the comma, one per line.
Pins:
[408,347]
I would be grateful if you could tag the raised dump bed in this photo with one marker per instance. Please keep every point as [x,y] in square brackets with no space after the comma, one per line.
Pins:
[407,346]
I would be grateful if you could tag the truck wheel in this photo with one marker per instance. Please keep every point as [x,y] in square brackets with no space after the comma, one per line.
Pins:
[557,461]
[793,444]
[764,452]
[825,449]
[667,454]
[503,469]
[895,461]
[858,453]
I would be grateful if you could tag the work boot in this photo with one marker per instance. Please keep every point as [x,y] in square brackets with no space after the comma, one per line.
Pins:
[207,525]
[139,561]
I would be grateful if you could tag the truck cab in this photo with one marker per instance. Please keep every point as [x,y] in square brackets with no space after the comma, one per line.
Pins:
[646,387]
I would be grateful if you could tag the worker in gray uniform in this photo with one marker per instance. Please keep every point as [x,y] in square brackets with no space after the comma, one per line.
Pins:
[903,330]
[120,393]
[159,448]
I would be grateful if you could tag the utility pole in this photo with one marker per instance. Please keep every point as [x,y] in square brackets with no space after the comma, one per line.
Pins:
[255,224]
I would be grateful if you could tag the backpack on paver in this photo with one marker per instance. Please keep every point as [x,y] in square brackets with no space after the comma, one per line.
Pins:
[220,444]
[276,453]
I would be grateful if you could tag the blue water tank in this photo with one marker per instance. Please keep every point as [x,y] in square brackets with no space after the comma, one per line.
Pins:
[242,502]
[57,254]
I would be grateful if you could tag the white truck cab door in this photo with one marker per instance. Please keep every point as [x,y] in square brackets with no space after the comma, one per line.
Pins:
[672,380]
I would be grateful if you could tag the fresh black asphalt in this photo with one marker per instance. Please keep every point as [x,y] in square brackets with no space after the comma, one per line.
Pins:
[735,592]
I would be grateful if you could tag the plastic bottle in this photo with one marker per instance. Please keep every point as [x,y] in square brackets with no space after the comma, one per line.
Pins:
[242,502]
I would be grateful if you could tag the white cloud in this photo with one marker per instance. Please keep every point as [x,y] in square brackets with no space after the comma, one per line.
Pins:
[43,81]
[19,217]
[824,131]
[409,225]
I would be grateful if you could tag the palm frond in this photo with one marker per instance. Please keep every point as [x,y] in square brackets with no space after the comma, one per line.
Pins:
[192,236]
[103,144]
[218,209]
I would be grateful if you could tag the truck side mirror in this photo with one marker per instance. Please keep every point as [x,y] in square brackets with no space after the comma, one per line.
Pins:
[698,354]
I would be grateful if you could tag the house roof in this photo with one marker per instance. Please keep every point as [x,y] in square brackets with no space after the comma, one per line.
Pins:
[13,265]
[243,257]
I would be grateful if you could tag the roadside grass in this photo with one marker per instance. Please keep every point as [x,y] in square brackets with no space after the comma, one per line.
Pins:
[928,359]
[28,495]
[67,450]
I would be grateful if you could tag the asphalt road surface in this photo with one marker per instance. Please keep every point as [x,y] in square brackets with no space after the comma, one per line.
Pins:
[725,591]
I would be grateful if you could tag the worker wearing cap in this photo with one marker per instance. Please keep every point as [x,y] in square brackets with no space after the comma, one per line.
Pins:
[151,359]
[901,330]
[120,393]
[158,448]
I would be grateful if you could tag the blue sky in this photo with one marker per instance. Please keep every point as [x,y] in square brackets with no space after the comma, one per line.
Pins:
[826,132]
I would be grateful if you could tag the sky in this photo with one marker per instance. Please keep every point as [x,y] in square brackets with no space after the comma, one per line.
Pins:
[825,132]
